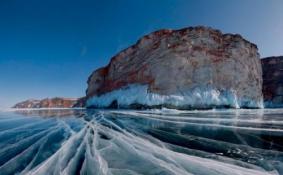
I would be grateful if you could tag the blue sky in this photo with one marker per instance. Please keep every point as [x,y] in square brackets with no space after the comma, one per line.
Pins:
[49,47]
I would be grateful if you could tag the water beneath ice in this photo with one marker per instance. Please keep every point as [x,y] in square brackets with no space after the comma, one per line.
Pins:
[153,142]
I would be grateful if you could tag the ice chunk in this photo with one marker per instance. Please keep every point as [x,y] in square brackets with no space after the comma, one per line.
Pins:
[199,97]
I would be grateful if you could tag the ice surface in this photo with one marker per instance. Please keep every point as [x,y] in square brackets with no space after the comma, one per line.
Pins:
[129,142]
[199,97]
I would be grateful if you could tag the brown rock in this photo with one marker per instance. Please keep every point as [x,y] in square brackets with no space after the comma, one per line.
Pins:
[208,68]
[272,68]
[56,102]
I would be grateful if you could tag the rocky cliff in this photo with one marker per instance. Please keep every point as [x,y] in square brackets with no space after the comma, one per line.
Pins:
[56,102]
[272,68]
[196,67]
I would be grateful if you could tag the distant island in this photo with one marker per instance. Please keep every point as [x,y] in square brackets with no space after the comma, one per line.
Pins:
[56,102]
[190,68]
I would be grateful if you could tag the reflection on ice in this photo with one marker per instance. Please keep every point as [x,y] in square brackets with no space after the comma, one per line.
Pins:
[143,142]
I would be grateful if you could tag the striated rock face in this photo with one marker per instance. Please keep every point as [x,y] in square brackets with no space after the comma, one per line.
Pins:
[196,67]
[272,68]
[56,102]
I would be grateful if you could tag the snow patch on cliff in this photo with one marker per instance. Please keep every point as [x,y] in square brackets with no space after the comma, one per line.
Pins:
[199,97]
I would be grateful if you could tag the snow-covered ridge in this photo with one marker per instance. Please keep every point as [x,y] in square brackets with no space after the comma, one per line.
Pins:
[196,98]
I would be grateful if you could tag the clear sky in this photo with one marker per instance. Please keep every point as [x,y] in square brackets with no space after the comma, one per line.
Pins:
[49,47]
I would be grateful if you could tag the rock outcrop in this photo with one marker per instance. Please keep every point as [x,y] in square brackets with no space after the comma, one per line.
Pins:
[56,102]
[81,102]
[272,68]
[31,103]
[196,67]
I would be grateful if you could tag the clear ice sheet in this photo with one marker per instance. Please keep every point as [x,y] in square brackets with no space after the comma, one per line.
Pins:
[129,142]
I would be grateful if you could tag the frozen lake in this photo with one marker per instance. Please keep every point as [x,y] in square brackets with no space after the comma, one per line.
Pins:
[128,142]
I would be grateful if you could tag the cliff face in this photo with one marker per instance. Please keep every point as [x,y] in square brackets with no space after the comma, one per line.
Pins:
[273,81]
[196,67]
[56,102]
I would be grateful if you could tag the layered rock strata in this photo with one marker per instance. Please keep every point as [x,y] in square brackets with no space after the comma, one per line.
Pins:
[195,67]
